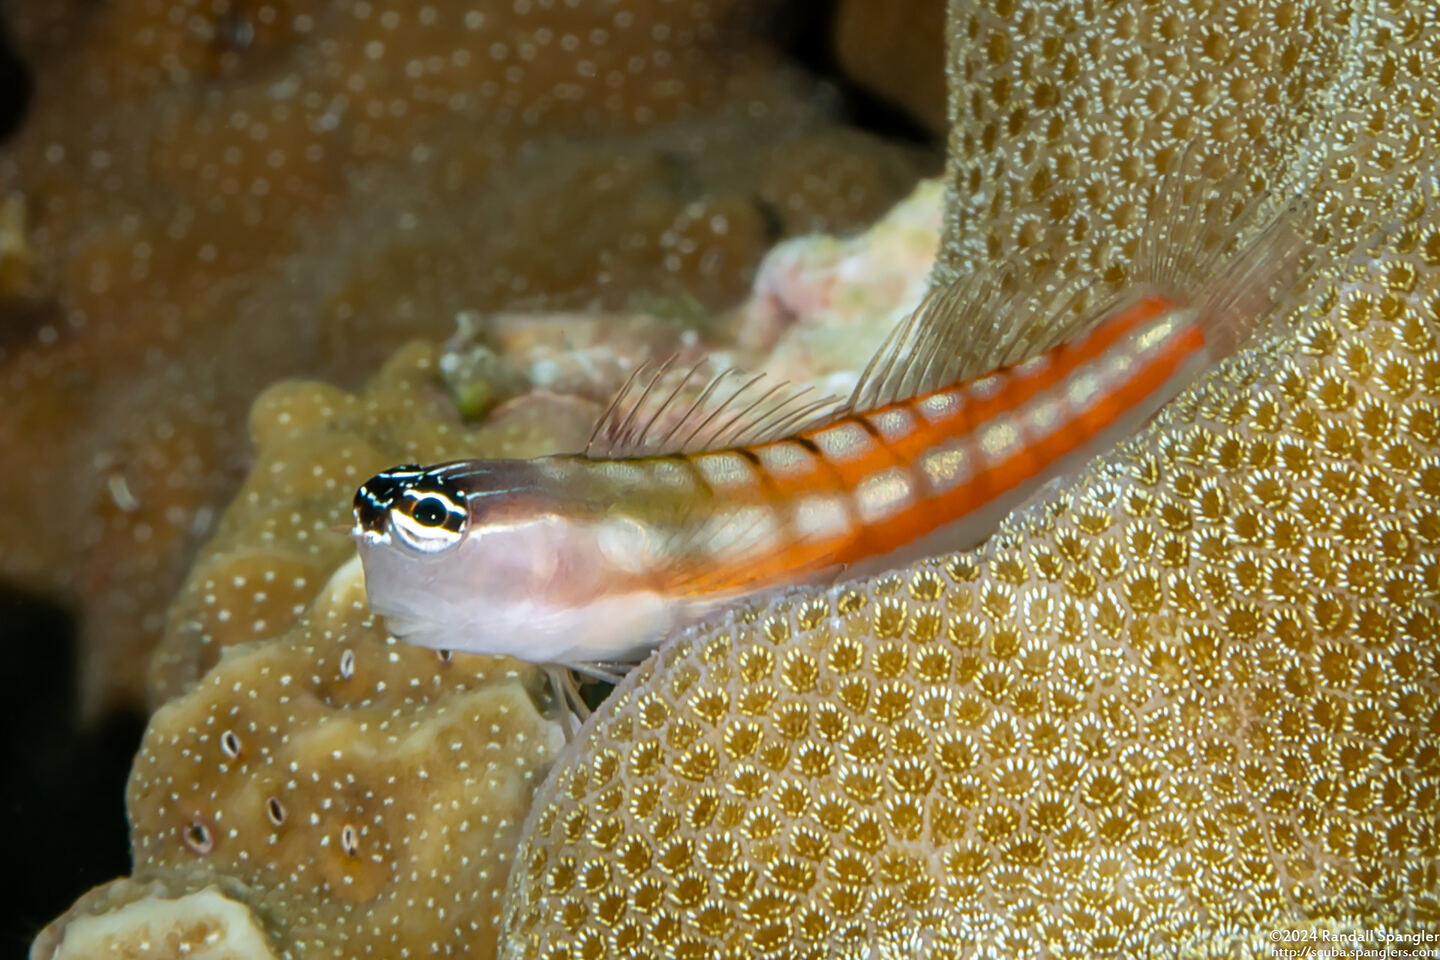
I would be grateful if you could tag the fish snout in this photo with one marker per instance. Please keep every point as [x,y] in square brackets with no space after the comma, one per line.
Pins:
[377,495]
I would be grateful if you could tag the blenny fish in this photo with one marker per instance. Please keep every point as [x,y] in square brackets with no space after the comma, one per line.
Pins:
[676,507]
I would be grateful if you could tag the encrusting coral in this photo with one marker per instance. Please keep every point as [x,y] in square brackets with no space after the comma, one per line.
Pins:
[1192,698]
[1065,117]
[206,197]
[339,793]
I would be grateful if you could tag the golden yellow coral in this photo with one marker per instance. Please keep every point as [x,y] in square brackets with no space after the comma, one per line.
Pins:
[1064,116]
[1195,697]
[1189,700]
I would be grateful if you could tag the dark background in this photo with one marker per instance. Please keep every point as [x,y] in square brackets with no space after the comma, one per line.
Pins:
[62,790]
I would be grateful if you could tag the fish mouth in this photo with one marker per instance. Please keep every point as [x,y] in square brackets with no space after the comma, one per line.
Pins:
[369,538]
[371,512]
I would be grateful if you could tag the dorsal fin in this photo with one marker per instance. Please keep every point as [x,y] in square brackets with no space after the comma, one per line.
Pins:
[659,412]
[1206,244]
[967,328]
[1202,225]
[1190,249]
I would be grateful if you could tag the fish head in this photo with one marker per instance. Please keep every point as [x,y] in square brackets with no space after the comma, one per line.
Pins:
[453,531]
[490,557]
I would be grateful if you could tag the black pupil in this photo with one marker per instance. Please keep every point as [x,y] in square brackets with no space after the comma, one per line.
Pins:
[430,512]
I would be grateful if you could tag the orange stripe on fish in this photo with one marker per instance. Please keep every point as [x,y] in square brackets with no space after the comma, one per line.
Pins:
[894,475]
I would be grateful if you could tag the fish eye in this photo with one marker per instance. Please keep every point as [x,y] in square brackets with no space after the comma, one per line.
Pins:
[430,512]
[429,520]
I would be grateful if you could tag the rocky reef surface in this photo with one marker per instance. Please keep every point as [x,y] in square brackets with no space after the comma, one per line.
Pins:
[1191,698]
[324,794]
